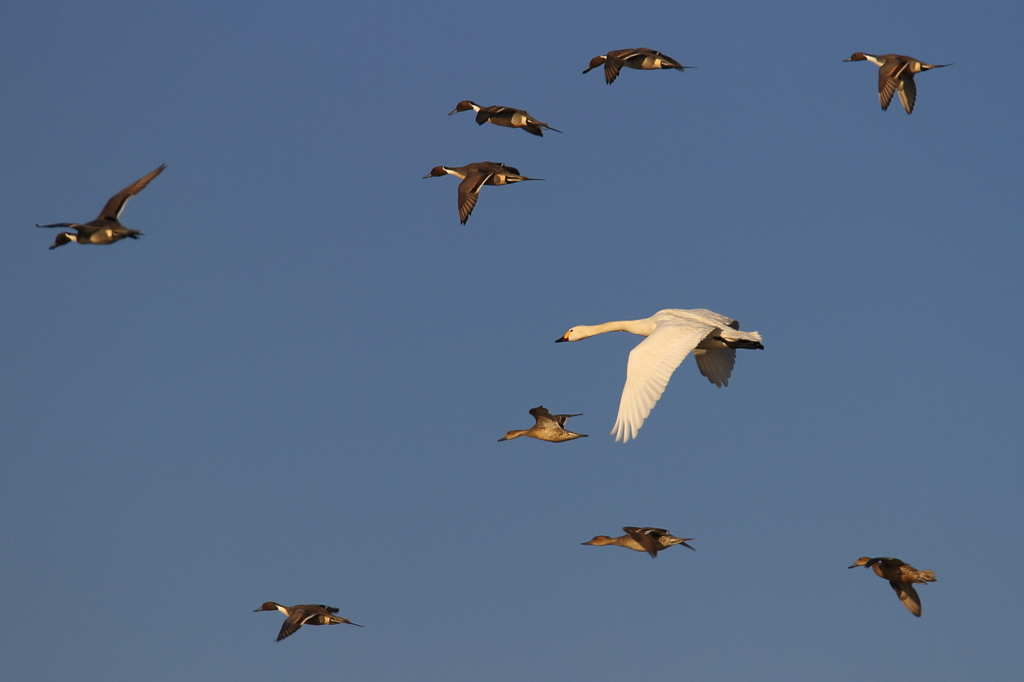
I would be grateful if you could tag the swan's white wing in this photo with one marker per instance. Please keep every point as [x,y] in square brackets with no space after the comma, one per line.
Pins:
[650,367]
[714,318]
[716,364]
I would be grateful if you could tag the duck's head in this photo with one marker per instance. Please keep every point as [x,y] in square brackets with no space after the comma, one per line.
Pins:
[436,172]
[856,57]
[863,561]
[464,105]
[510,435]
[267,606]
[596,62]
[63,238]
[599,541]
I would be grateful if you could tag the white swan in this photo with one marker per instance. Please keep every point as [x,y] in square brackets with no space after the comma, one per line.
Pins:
[671,335]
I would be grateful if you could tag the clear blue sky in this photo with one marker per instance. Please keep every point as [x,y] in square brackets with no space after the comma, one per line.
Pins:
[292,387]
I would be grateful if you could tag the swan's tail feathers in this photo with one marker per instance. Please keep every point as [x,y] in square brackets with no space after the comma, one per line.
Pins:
[738,339]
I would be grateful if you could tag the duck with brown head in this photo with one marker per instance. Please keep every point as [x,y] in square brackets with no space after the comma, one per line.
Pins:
[549,427]
[896,74]
[642,58]
[901,577]
[474,176]
[641,539]
[508,117]
[304,614]
[106,229]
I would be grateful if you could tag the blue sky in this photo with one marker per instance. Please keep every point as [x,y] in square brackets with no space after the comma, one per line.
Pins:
[291,388]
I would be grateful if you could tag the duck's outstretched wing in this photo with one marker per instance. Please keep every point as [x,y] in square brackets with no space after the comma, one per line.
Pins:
[112,211]
[908,92]
[889,82]
[469,192]
[645,539]
[292,623]
[544,418]
[908,595]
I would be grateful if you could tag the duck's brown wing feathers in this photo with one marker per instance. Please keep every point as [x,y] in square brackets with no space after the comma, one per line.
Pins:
[112,211]
[908,92]
[908,595]
[292,623]
[645,539]
[469,192]
[886,88]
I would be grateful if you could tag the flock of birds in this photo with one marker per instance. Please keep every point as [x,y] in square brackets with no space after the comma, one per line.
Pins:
[670,335]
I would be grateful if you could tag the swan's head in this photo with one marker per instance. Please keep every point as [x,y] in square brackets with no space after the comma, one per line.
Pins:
[596,62]
[863,561]
[599,541]
[575,334]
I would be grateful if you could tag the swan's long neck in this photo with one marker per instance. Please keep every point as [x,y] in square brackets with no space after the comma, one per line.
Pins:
[641,327]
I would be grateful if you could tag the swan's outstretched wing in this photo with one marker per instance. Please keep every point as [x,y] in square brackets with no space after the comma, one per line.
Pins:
[714,318]
[716,364]
[650,367]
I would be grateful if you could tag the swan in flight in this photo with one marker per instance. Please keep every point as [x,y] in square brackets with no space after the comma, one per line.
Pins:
[671,335]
